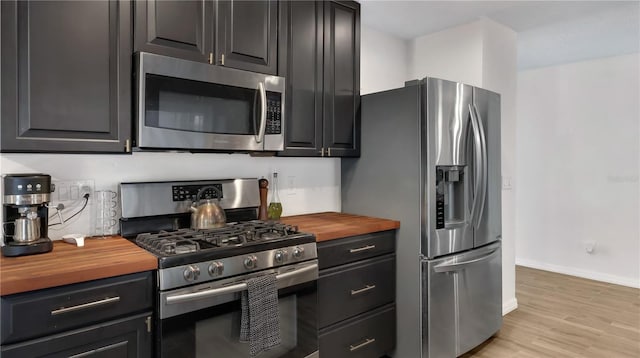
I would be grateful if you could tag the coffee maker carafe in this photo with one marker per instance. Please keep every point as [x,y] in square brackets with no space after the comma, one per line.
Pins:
[25,214]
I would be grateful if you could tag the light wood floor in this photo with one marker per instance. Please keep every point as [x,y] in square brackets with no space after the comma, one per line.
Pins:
[565,316]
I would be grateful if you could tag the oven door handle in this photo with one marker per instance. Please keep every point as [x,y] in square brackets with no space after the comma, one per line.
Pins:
[239,287]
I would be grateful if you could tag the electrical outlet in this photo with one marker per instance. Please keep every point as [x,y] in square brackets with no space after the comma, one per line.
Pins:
[590,246]
[506,183]
[291,185]
[68,211]
[71,189]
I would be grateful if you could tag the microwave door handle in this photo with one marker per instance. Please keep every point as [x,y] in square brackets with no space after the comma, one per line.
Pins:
[263,113]
[287,279]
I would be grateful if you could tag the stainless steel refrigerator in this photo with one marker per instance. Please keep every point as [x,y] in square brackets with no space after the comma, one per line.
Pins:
[431,159]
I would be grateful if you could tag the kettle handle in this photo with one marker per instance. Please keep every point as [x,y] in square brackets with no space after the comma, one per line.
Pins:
[202,190]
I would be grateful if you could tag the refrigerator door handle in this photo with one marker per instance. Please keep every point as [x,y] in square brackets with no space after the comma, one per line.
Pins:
[485,169]
[477,165]
[452,265]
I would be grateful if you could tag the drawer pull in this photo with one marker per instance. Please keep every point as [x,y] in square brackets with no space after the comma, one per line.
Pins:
[360,249]
[85,305]
[366,342]
[362,290]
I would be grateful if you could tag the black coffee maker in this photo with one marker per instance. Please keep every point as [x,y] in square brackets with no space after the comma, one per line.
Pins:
[25,214]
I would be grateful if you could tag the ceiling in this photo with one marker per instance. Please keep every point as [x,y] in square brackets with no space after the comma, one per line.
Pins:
[549,32]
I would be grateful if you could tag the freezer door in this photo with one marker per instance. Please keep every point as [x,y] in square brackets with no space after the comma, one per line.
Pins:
[488,223]
[446,226]
[461,302]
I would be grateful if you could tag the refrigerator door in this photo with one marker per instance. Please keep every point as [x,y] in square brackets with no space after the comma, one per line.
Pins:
[461,301]
[488,221]
[447,173]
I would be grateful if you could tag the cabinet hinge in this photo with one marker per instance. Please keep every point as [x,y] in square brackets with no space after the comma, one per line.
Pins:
[148,322]
[211,58]
[127,146]
[222,59]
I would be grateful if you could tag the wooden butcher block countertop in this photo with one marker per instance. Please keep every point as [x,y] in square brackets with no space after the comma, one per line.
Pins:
[332,225]
[67,264]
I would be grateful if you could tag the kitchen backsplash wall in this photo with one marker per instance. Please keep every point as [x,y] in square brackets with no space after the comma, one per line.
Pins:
[306,185]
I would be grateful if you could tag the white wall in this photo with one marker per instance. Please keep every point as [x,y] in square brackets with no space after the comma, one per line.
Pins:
[383,61]
[454,54]
[306,184]
[578,154]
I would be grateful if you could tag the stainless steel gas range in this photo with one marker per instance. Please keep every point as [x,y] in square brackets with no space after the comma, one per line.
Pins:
[202,273]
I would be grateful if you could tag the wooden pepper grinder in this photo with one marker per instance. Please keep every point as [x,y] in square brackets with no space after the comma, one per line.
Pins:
[262,210]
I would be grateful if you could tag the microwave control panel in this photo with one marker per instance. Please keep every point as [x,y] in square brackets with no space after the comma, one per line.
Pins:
[274,113]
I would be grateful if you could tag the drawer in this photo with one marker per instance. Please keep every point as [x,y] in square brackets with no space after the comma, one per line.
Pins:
[368,336]
[341,251]
[349,290]
[124,338]
[39,313]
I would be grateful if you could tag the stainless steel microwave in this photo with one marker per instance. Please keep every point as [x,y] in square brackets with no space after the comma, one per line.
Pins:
[187,105]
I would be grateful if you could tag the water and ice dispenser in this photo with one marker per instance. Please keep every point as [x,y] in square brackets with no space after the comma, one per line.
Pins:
[450,196]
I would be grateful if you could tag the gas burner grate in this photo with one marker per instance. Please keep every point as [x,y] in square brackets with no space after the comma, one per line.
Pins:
[168,243]
[176,242]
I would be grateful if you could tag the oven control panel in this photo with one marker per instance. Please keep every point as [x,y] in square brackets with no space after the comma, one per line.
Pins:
[201,272]
[190,192]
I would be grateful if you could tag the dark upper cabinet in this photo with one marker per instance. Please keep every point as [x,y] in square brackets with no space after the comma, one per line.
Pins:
[66,76]
[183,29]
[322,67]
[247,34]
[303,70]
[342,79]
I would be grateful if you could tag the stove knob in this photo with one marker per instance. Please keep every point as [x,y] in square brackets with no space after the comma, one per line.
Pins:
[216,268]
[280,256]
[298,252]
[191,273]
[251,262]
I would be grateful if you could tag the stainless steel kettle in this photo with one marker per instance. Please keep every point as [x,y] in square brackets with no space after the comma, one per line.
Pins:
[207,213]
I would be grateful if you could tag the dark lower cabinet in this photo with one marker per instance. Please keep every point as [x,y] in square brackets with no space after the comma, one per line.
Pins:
[356,296]
[370,335]
[248,35]
[66,76]
[322,65]
[124,338]
[183,29]
[110,317]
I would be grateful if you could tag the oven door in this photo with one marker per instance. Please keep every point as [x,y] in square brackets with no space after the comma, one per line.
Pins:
[190,105]
[204,320]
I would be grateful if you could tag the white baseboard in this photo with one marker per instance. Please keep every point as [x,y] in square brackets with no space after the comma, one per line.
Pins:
[509,306]
[591,275]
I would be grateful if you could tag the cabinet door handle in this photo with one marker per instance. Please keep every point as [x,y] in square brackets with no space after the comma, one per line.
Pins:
[360,249]
[363,290]
[85,305]
[366,342]
[110,348]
